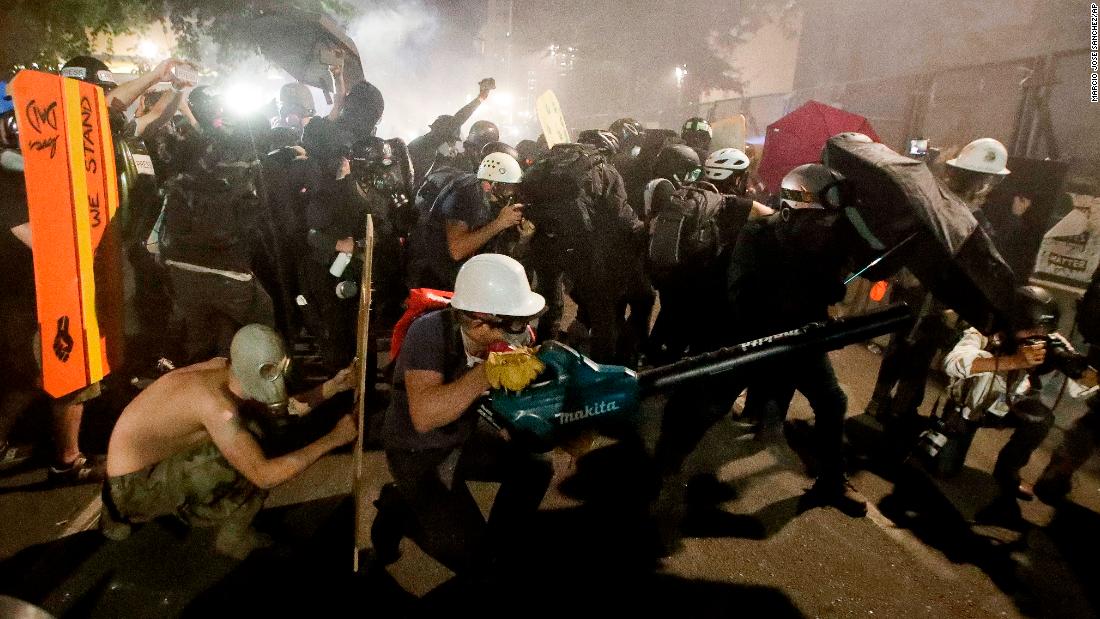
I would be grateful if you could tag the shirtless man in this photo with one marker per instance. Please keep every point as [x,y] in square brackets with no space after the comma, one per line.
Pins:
[181,447]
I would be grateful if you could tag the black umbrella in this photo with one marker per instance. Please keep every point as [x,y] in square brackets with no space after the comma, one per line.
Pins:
[304,44]
[907,218]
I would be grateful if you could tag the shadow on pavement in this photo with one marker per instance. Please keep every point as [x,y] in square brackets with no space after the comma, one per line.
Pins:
[587,559]
[598,558]
[1043,569]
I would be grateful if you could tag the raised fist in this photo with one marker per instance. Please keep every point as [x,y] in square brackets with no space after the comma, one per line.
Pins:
[62,341]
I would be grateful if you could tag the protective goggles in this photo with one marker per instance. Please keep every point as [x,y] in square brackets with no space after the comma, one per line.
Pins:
[828,198]
[509,324]
[272,372]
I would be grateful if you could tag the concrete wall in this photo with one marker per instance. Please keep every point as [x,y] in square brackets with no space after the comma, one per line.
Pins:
[849,40]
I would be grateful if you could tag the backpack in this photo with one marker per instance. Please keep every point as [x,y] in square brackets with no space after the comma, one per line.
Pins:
[434,184]
[207,212]
[420,302]
[551,188]
[684,230]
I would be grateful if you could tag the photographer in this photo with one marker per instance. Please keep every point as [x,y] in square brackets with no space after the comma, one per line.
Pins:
[475,214]
[990,377]
[1080,440]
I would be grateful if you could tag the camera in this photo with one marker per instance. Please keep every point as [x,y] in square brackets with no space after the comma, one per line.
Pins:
[918,148]
[1059,357]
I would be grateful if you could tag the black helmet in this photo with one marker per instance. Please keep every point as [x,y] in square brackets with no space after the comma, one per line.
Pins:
[205,104]
[529,152]
[91,70]
[372,149]
[370,154]
[325,141]
[448,126]
[363,106]
[695,123]
[604,141]
[697,133]
[481,133]
[677,162]
[1036,308]
[499,147]
[295,98]
[627,129]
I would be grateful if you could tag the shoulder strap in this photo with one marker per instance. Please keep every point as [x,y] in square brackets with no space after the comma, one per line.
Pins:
[455,351]
[650,189]
[444,191]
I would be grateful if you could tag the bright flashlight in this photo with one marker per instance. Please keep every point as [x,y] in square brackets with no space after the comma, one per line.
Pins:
[243,99]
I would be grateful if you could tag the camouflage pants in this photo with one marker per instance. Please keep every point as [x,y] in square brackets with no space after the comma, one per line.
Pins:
[197,485]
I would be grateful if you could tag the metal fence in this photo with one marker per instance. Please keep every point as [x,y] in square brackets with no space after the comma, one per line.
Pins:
[1036,106]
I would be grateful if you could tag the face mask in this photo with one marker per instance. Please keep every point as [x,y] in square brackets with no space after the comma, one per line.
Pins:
[519,340]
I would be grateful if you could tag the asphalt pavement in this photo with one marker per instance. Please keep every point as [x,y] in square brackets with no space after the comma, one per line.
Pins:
[747,551]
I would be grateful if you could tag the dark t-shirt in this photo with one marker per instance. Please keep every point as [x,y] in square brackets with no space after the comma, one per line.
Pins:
[774,285]
[429,345]
[462,201]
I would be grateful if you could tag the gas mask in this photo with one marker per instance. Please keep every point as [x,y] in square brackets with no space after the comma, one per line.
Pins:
[259,361]
[520,340]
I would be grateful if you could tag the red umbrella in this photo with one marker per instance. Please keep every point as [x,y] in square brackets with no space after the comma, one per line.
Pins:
[798,137]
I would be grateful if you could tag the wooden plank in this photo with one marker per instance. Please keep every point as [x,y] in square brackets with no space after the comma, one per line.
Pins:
[362,389]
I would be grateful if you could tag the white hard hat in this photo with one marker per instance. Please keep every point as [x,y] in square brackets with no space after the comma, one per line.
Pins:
[722,163]
[495,284]
[499,168]
[984,155]
[810,185]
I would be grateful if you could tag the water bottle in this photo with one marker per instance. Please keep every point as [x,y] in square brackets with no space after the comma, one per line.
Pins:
[343,259]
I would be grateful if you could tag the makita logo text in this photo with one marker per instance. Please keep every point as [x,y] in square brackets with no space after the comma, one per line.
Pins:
[598,408]
[770,338]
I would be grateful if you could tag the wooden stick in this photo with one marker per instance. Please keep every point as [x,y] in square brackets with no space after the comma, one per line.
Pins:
[362,390]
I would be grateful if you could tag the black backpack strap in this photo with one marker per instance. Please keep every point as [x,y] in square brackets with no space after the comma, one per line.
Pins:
[455,351]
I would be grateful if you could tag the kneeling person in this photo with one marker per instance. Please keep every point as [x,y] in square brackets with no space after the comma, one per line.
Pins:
[432,437]
[181,447]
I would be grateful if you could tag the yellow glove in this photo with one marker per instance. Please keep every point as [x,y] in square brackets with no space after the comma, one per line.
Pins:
[512,370]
